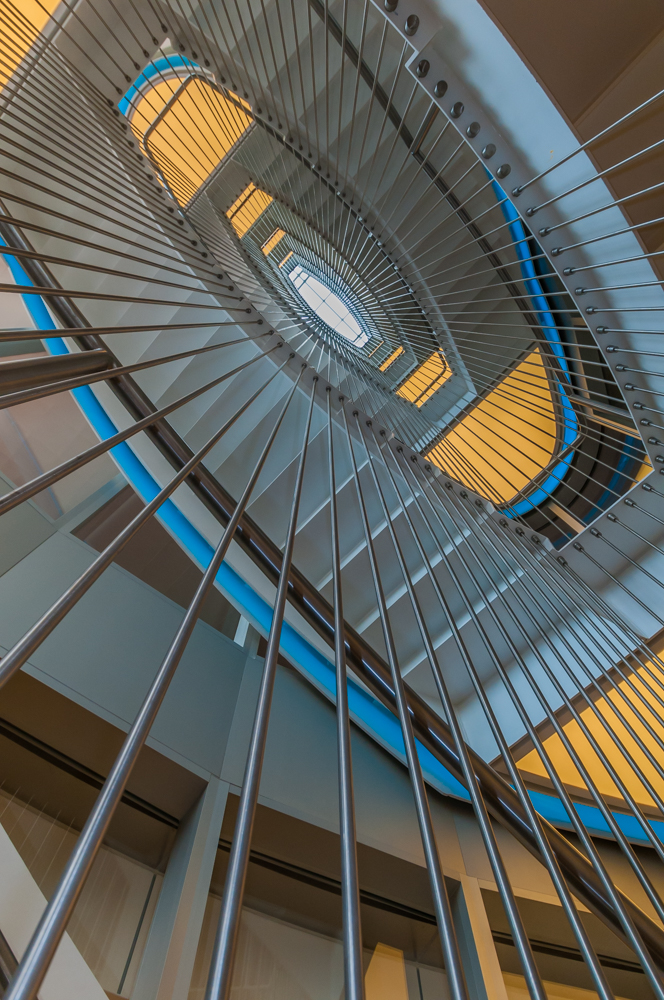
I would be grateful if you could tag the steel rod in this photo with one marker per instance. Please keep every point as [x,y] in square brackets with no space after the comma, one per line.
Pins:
[532,976]
[548,856]
[453,967]
[48,934]
[221,967]
[352,928]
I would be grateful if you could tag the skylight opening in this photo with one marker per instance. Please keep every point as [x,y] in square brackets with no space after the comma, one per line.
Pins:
[328,306]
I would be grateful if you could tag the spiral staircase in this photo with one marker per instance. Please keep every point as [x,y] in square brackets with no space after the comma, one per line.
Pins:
[444,518]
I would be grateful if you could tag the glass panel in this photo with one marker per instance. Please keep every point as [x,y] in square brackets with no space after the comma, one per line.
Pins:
[328,306]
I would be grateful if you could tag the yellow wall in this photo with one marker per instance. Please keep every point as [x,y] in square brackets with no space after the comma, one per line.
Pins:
[248,209]
[426,379]
[385,977]
[22,22]
[152,103]
[194,135]
[507,439]
[564,765]
[392,358]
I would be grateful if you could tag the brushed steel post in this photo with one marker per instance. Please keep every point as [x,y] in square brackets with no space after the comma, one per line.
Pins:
[223,956]
[453,967]
[350,896]
[39,953]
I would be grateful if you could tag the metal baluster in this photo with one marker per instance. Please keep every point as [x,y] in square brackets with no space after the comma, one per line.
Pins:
[548,856]
[353,972]
[504,887]
[450,947]
[629,928]
[223,957]
[39,953]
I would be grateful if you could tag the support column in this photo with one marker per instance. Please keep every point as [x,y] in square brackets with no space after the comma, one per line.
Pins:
[170,951]
[478,952]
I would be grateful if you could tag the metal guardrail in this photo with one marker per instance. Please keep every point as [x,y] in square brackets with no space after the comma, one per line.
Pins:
[528,600]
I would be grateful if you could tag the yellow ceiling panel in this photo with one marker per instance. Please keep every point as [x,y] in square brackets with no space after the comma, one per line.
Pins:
[392,358]
[193,135]
[270,244]
[507,439]
[22,22]
[426,379]
[248,208]
[151,103]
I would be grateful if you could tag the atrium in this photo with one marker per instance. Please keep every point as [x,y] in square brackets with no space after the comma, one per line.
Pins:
[332,543]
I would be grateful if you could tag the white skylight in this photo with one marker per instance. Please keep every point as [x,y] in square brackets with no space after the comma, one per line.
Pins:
[328,306]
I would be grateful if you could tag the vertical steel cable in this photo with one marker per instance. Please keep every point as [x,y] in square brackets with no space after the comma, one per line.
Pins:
[532,976]
[548,855]
[629,928]
[14,659]
[446,930]
[580,658]
[223,957]
[39,953]
[352,929]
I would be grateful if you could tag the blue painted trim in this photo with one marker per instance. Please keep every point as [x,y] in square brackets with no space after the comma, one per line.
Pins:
[552,809]
[550,330]
[372,715]
[163,65]
[378,719]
